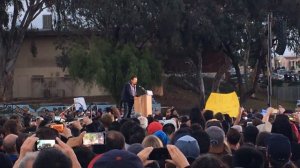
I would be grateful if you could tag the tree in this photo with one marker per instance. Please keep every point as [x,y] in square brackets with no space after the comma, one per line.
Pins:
[112,66]
[13,28]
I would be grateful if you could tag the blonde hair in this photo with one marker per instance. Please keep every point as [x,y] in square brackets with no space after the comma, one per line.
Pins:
[152,141]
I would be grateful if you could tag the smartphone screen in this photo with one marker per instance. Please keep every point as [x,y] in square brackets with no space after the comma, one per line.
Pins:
[159,154]
[44,144]
[97,138]
[57,118]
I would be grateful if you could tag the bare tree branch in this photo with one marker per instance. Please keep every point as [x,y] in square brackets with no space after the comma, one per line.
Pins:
[15,15]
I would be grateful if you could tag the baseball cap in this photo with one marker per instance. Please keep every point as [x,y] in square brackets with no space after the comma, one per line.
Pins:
[279,147]
[118,158]
[153,127]
[216,134]
[162,136]
[188,146]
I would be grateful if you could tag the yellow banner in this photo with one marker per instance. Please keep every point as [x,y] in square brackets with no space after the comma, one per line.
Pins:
[224,103]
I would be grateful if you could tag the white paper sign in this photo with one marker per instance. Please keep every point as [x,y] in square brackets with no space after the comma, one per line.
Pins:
[149,92]
[80,102]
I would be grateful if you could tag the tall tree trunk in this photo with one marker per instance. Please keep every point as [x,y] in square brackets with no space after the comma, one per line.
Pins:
[235,65]
[200,79]
[8,59]
[222,70]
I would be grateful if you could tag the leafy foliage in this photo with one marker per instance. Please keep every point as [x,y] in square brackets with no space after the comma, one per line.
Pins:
[111,67]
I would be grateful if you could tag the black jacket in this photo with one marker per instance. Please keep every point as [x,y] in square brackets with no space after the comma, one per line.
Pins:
[126,94]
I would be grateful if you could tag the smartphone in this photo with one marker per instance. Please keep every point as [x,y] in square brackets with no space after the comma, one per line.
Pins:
[57,118]
[44,144]
[249,123]
[58,127]
[159,154]
[97,138]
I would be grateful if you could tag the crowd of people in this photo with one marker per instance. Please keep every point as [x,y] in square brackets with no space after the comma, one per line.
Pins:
[202,139]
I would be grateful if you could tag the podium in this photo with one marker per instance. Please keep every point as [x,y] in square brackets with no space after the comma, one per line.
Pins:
[143,104]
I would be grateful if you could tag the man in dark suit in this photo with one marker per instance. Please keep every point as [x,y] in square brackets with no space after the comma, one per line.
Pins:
[128,94]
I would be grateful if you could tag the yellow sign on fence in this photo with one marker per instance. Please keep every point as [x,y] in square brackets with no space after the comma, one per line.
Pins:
[224,103]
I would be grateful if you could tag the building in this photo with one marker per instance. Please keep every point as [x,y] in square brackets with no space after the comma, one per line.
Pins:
[291,62]
[39,77]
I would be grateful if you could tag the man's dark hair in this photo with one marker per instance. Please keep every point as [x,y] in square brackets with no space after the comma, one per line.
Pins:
[169,129]
[84,155]
[19,141]
[52,158]
[219,116]
[208,161]
[196,127]
[114,140]
[132,77]
[250,134]
[203,140]
[282,126]
[180,133]
[248,158]
[261,139]
[233,136]
[208,115]
[47,133]
[11,126]
[114,126]
[197,117]
[132,132]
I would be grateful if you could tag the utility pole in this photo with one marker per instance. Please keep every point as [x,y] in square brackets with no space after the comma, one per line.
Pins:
[269,59]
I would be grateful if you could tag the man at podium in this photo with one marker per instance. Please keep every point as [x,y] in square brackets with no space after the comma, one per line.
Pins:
[128,94]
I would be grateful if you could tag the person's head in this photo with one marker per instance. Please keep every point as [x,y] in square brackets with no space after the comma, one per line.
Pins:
[52,158]
[169,129]
[28,160]
[107,119]
[233,137]
[135,148]
[9,144]
[282,126]
[118,158]
[188,146]
[47,133]
[143,122]
[208,115]
[213,122]
[152,141]
[197,117]
[19,141]
[278,150]
[12,126]
[203,140]
[153,127]
[133,79]
[180,133]
[132,132]
[84,155]
[208,161]
[256,122]
[248,158]
[261,138]
[217,138]
[114,126]
[228,119]
[114,140]
[162,136]
[219,116]
[250,134]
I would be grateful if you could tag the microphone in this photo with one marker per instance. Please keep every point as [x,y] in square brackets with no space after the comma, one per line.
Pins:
[142,88]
